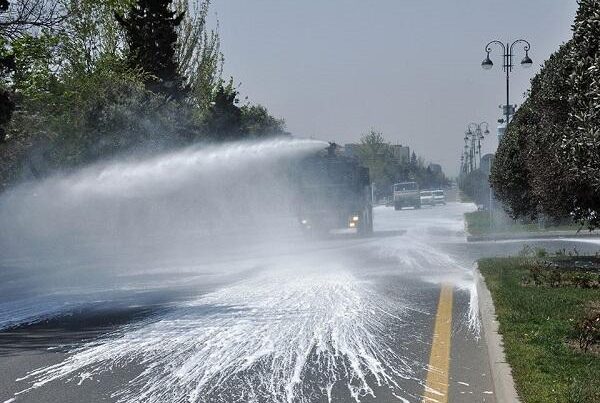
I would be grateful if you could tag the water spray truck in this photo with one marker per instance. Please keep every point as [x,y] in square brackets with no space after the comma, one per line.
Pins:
[333,193]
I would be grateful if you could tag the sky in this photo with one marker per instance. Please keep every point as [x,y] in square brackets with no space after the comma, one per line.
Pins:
[334,69]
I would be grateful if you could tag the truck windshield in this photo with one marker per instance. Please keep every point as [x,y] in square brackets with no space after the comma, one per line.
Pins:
[401,187]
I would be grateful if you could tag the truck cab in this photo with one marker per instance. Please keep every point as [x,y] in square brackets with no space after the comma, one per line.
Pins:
[333,193]
[406,194]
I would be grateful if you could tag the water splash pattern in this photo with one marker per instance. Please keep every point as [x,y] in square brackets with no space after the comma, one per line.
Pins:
[285,335]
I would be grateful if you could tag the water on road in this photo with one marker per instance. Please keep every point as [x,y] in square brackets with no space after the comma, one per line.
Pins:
[332,320]
[185,277]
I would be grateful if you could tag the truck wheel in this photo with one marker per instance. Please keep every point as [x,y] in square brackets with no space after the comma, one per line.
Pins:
[397,207]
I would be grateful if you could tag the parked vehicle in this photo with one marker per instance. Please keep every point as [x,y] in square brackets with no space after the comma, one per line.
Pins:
[439,197]
[406,194]
[426,197]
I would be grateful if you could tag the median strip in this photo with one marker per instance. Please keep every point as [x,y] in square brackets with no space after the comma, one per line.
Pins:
[436,386]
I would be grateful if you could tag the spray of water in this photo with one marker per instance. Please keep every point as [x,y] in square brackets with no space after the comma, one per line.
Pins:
[291,322]
[113,226]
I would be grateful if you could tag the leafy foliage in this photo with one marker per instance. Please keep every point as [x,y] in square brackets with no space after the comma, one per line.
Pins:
[385,168]
[21,17]
[257,122]
[510,175]
[582,144]
[198,53]
[224,117]
[475,185]
[87,87]
[549,160]
[224,120]
[151,34]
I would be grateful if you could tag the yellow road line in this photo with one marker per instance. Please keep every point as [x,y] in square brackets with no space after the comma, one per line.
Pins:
[436,387]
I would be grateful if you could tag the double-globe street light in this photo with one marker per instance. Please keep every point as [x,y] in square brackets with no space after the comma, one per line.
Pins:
[473,136]
[468,152]
[507,50]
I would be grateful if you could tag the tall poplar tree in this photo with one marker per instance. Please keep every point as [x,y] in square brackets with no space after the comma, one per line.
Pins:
[151,33]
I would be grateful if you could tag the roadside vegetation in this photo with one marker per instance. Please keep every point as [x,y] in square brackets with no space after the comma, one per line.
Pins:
[549,313]
[548,162]
[475,186]
[84,80]
[484,223]
[463,198]
[387,168]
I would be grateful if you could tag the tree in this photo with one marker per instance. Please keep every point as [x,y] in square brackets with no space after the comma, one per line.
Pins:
[413,160]
[7,65]
[198,53]
[528,173]
[21,17]
[257,122]
[549,160]
[224,118]
[476,185]
[111,77]
[151,34]
[7,107]
[581,148]
[80,101]
[510,175]
[385,168]
[19,20]
[375,153]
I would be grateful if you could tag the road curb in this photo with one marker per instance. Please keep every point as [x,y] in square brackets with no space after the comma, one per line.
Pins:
[530,236]
[502,379]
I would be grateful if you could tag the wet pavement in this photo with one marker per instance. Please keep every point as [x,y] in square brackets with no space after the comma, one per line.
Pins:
[340,319]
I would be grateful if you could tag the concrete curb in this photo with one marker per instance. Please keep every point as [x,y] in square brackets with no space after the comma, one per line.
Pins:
[531,235]
[504,385]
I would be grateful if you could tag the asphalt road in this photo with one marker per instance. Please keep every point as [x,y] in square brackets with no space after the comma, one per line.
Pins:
[386,318]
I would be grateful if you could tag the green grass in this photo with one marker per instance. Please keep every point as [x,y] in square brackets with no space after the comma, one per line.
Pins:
[464,198]
[478,223]
[536,323]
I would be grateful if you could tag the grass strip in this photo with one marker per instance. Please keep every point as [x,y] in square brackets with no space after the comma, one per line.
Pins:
[536,324]
[478,223]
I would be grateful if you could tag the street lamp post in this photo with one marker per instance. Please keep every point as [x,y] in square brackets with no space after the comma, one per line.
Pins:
[507,50]
[467,162]
[478,134]
[473,136]
[468,153]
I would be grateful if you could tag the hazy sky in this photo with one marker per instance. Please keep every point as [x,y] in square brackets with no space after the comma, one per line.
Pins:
[409,68]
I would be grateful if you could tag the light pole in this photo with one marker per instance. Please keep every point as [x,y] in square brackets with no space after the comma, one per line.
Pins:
[478,134]
[507,50]
[468,152]
[473,136]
